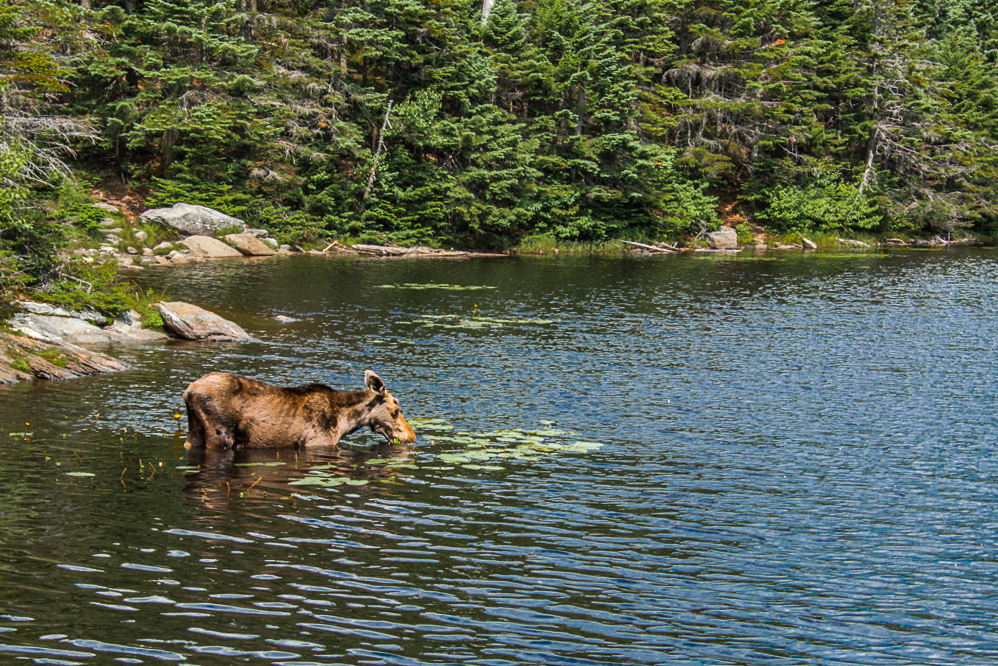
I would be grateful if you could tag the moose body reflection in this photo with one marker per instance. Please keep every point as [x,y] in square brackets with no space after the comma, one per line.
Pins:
[228,411]
[217,475]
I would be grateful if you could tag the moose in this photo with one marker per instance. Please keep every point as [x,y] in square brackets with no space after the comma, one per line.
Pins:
[229,411]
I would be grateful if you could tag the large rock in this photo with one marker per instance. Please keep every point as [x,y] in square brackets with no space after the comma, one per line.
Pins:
[193,323]
[192,220]
[55,329]
[248,244]
[206,246]
[45,309]
[22,358]
[724,238]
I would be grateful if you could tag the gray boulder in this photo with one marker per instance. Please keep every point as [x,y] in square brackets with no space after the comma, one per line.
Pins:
[78,332]
[54,311]
[724,238]
[192,220]
[248,244]
[190,322]
[206,246]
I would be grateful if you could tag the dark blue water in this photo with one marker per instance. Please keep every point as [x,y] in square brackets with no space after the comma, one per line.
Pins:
[797,466]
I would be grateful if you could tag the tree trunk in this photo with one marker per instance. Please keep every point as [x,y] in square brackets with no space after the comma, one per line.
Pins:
[578,126]
[169,139]
[377,153]
[871,152]
[486,10]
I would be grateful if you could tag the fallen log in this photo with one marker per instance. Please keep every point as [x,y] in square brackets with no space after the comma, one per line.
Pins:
[650,248]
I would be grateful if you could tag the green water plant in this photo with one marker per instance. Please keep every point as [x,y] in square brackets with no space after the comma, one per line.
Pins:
[474,322]
[449,287]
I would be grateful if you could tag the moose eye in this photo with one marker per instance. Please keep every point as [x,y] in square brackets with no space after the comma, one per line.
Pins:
[396,413]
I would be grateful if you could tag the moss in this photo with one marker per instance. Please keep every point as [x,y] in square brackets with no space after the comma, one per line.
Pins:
[55,357]
[21,363]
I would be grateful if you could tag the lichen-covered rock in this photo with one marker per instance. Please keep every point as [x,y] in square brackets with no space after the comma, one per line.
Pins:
[249,245]
[724,238]
[192,220]
[55,329]
[23,358]
[212,248]
[190,322]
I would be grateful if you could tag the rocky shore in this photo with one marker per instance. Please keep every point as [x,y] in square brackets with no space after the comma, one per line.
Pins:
[45,342]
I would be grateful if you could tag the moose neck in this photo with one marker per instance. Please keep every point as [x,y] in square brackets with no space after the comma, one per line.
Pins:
[354,410]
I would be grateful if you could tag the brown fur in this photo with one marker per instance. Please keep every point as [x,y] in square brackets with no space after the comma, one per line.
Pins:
[229,411]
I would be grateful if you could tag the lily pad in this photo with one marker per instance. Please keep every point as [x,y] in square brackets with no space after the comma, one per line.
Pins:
[448,287]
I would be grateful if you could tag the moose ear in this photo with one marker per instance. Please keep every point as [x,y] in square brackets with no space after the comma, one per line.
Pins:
[374,382]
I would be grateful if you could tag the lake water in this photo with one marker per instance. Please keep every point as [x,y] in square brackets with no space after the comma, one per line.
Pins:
[783,460]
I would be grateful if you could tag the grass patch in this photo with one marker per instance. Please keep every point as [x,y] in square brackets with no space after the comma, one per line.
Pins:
[143,304]
[547,244]
[21,363]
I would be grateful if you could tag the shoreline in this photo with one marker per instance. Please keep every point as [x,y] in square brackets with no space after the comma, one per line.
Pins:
[30,351]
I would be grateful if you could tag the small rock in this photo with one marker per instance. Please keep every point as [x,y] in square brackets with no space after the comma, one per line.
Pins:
[162,261]
[111,239]
[165,245]
[193,323]
[284,319]
[107,208]
[109,222]
[248,244]
[147,252]
[140,236]
[129,318]
[205,246]
[724,238]
[272,242]
[131,250]
[259,233]
[284,249]
[808,243]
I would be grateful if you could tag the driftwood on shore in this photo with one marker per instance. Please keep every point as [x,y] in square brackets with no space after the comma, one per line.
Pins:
[657,247]
[396,251]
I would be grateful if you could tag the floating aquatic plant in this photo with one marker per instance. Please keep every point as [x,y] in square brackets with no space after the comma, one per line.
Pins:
[449,287]
[326,480]
[476,322]
[471,449]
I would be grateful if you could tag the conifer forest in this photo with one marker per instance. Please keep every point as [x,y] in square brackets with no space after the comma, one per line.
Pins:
[453,122]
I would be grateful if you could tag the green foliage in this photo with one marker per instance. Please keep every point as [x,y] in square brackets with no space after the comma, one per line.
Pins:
[221,197]
[79,285]
[411,121]
[76,206]
[824,204]
[152,320]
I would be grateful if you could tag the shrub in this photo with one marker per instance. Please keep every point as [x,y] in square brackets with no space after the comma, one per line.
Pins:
[825,204]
